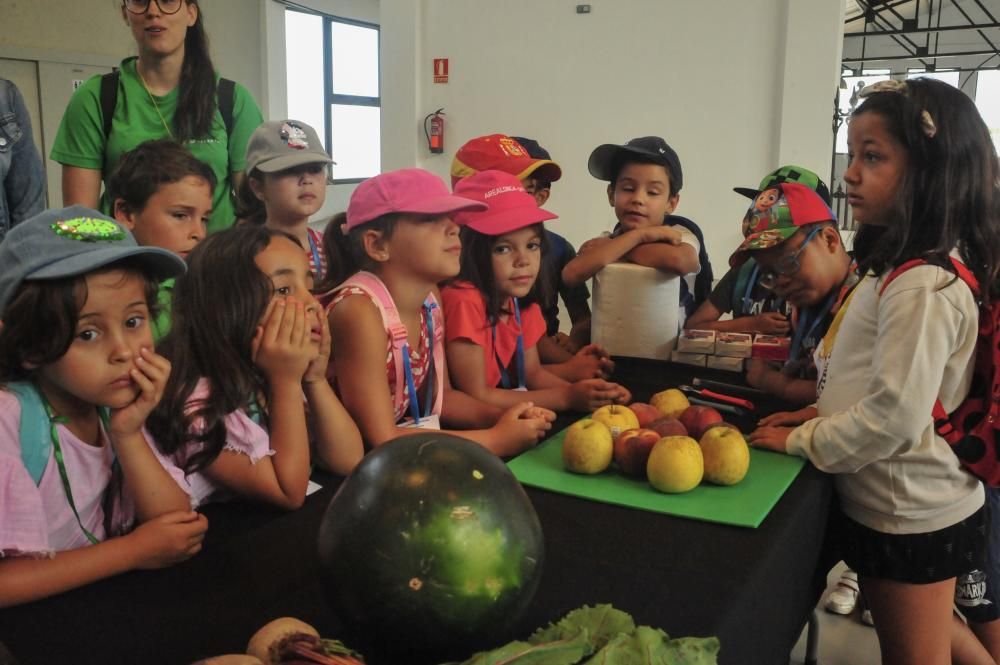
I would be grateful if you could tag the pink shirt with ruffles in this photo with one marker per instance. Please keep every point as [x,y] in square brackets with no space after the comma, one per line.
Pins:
[243,436]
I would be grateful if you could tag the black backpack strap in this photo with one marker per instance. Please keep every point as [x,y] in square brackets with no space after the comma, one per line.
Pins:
[109,99]
[225,96]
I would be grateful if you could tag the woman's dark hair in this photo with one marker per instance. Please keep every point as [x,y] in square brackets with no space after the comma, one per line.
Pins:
[40,320]
[947,196]
[217,305]
[477,268]
[147,167]
[196,98]
[249,208]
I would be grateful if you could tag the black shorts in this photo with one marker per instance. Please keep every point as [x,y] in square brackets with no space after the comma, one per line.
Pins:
[977,593]
[916,558]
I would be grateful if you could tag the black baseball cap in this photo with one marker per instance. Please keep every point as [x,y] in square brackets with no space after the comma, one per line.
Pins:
[534,150]
[604,159]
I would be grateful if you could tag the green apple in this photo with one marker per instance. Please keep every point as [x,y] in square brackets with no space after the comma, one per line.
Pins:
[726,454]
[587,447]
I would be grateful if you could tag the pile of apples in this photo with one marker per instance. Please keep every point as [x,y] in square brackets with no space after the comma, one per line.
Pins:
[670,442]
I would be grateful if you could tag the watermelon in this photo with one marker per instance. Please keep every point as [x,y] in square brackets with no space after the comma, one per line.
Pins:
[430,547]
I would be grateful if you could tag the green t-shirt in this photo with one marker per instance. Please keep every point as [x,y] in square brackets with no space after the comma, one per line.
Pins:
[164,301]
[80,141]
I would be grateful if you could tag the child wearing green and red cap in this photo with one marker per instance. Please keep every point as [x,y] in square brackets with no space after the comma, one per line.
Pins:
[754,308]
[793,237]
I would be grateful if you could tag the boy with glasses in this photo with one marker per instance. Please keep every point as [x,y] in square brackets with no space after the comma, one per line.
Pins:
[794,239]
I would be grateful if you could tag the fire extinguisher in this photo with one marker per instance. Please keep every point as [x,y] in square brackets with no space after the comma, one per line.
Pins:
[435,135]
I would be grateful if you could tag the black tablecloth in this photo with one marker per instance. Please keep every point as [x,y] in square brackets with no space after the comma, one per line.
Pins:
[753,588]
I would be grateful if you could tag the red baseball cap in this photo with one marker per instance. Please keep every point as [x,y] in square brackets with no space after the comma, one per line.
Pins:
[501,153]
[510,207]
[413,191]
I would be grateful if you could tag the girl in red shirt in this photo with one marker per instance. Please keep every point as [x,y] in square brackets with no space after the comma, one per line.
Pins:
[492,317]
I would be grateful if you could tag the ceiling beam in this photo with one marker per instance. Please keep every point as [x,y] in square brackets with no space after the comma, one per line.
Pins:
[915,31]
[871,58]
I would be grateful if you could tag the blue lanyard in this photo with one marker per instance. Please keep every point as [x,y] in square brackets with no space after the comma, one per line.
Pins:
[317,260]
[504,377]
[429,380]
[750,284]
[805,329]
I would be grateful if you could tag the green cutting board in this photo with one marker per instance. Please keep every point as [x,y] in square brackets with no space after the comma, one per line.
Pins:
[744,504]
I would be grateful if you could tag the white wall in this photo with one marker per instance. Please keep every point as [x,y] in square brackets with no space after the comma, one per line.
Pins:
[735,88]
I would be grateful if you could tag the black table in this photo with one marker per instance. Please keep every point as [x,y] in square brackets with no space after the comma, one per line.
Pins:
[753,588]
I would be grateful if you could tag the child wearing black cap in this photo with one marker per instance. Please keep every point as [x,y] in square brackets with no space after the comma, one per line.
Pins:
[644,182]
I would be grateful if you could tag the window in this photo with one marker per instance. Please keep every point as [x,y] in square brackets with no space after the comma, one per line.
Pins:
[848,100]
[988,101]
[333,84]
[949,77]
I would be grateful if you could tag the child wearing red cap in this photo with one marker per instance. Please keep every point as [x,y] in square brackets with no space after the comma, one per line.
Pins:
[397,244]
[566,356]
[493,319]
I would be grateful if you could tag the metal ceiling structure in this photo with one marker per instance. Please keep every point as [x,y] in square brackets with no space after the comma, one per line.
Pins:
[890,30]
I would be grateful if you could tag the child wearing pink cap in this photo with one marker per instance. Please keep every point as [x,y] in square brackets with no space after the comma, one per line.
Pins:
[389,366]
[492,316]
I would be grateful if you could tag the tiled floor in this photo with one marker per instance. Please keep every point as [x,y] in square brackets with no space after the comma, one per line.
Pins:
[843,640]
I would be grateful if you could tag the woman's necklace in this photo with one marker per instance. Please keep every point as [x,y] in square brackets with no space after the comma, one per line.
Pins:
[155,105]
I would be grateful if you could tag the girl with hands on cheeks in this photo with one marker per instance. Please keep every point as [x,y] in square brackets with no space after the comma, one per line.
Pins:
[248,393]
[76,467]
[492,315]
[397,243]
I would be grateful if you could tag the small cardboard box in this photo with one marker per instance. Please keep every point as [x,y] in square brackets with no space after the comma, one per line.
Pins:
[728,363]
[734,345]
[696,341]
[698,359]
[769,347]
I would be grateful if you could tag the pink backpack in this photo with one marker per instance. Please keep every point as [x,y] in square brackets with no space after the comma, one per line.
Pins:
[375,288]
[972,429]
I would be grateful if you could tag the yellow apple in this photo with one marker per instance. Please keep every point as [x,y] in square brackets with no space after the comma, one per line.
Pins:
[726,454]
[587,447]
[671,402]
[617,418]
[675,465]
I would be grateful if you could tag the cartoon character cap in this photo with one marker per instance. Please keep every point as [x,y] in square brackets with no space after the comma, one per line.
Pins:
[510,207]
[283,144]
[500,152]
[777,213]
[69,242]
[789,173]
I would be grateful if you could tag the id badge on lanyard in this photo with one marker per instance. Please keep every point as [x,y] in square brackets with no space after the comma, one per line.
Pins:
[504,377]
[427,420]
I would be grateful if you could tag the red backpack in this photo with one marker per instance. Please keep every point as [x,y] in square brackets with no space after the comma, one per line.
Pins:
[972,428]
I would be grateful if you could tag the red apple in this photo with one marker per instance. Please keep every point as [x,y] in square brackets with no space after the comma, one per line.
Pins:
[646,413]
[697,419]
[668,427]
[632,448]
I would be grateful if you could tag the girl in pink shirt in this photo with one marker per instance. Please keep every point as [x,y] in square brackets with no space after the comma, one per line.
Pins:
[397,243]
[492,317]
[249,346]
[79,377]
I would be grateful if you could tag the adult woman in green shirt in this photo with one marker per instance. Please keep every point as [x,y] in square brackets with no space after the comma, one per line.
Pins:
[168,91]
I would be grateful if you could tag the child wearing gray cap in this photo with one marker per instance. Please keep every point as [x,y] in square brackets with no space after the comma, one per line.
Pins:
[78,377]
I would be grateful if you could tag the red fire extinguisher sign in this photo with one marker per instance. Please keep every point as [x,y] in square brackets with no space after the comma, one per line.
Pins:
[440,70]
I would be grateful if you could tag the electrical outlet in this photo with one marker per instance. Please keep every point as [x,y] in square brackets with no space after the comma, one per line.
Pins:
[583,9]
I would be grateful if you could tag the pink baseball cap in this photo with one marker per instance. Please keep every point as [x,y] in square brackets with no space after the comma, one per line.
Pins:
[510,207]
[413,191]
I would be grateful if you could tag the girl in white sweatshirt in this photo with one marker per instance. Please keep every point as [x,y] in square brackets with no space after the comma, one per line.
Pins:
[922,181]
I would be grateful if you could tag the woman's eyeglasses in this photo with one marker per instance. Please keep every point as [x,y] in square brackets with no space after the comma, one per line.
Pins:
[787,265]
[142,6]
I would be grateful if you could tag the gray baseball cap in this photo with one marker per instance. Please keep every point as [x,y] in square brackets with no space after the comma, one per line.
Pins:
[283,144]
[69,242]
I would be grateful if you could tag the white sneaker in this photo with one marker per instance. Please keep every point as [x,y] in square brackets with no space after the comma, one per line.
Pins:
[844,596]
